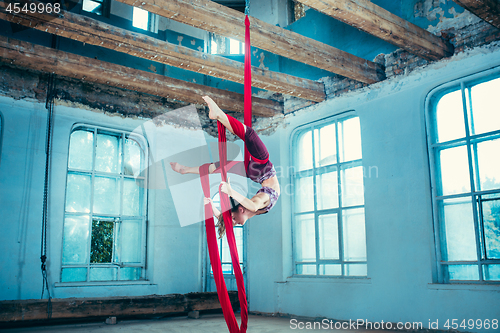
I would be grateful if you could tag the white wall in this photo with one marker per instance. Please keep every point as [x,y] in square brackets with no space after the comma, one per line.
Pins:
[399,229]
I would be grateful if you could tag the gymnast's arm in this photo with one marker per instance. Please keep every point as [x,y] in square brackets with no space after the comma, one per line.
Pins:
[214,209]
[257,202]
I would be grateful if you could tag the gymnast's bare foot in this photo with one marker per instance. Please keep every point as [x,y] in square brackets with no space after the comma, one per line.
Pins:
[178,167]
[215,111]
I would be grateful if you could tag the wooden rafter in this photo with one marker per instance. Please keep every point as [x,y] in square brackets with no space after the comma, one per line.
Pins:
[210,16]
[44,59]
[488,10]
[370,18]
[94,32]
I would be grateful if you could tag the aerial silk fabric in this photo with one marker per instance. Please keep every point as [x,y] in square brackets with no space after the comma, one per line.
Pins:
[213,250]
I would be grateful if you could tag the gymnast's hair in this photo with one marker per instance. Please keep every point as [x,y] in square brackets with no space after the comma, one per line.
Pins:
[221,228]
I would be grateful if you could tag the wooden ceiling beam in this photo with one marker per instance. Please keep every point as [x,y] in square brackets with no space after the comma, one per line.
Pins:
[210,16]
[375,20]
[94,32]
[488,10]
[44,59]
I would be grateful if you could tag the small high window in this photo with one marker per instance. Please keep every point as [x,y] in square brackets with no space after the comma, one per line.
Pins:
[99,7]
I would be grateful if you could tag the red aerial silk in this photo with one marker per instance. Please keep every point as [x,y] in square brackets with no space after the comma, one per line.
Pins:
[213,250]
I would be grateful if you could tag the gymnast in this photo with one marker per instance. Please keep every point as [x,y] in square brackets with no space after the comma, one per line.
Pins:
[259,169]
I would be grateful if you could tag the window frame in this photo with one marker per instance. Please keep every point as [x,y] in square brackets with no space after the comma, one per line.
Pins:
[115,218]
[153,22]
[468,141]
[106,7]
[294,136]
[227,46]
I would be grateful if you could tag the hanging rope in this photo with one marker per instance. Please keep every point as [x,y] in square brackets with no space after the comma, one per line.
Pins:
[49,105]
[247,7]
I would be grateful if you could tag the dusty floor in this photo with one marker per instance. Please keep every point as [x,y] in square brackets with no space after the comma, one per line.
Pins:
[205,324]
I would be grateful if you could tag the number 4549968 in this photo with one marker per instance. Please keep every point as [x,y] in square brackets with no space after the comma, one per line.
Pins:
[40,8]
[471,324]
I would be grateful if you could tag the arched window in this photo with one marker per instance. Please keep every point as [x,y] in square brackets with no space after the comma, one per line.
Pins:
[104,236]
[463,122]
[328,199]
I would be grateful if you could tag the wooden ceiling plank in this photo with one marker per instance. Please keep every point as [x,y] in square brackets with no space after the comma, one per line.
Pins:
[375,20]
[94,32]
[44,59]
[212,17]
[487,10]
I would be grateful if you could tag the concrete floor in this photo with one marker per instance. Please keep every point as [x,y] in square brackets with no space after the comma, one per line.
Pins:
[205,324]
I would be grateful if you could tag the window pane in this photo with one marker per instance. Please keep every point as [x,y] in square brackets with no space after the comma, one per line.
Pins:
[462,272]
[224,247]
[92,7]
[108,153]
[213,47]
[103,273]
[491,272]
[106,195]
[330,270]
[352,186]
[353,224]
[227,269]
[101,246]
[133,158]
[81,143]
[78,193]
[454,171]
[234,46]
[355,270]
[306,269]
[327,190]
[238,235]
[130,273]
[129,241]
[75,240]
[325,150]
[485,110]
[77,274]
[457,231]
[488,154]
[132,197]
[304,194]
[140,18]
[450,117]
[491,225]
[349,140]
[304,152]
[304,238]
[328,237]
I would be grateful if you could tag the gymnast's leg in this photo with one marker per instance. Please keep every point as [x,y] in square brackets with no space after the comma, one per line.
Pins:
[254,144]
[182,169]
[233,125]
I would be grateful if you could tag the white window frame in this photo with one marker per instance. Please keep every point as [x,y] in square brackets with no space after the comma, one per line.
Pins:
[339,210]
[152,24]
[116,218]
[227,46]
[470,141]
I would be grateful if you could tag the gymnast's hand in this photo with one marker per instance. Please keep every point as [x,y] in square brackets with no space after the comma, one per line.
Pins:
[226,188]
[207,201]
